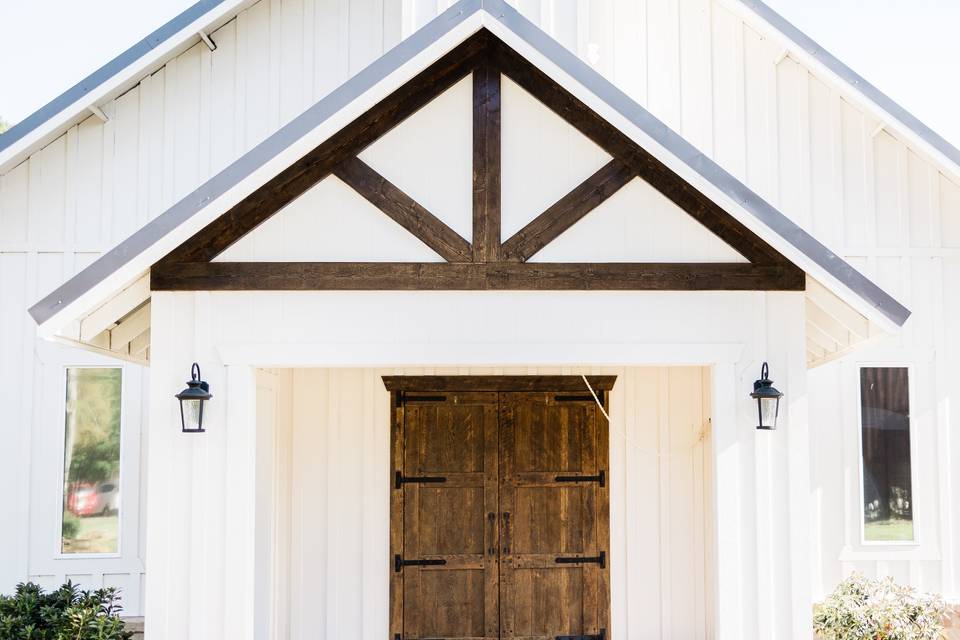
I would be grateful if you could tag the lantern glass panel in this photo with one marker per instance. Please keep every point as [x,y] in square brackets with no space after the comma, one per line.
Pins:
[192,410]
[769,407]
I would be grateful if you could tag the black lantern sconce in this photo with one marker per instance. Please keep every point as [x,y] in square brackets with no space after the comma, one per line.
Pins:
[768,400]
[191,402]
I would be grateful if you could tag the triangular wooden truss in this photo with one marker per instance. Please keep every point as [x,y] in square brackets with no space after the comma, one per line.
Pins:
[484,262]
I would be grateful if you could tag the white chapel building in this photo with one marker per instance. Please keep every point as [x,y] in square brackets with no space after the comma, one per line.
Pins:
[476,300]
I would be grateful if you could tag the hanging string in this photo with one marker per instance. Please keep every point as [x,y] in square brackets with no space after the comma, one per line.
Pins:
[629,440]
[595,398]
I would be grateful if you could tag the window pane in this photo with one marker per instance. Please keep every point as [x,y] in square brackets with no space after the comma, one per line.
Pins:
[91,466]
[885,433]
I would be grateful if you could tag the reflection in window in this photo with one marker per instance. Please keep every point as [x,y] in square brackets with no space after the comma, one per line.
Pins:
[885,433]
[91,466]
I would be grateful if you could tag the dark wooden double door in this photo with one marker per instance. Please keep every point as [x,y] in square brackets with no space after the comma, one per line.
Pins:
[500,514]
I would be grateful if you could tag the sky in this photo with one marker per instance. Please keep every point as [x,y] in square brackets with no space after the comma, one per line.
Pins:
[907,48]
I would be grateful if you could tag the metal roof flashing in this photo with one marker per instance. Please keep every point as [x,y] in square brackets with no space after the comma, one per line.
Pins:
[808,253]
[810,47]
[113,78]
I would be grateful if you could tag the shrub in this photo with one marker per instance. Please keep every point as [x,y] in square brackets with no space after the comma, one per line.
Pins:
[71,525]
[65,614]
[864,609]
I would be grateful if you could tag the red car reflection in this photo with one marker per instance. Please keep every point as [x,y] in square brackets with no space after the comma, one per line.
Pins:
[87,499]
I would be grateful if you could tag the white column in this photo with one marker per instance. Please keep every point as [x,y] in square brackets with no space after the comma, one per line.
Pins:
[797,463]
[728,514]
[201,486]
[783,479]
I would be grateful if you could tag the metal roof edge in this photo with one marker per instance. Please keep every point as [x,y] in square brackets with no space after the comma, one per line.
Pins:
[108,71]
[857,82]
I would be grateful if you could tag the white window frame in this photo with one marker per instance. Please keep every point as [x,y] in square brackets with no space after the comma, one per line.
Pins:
[58,549]
[917,533]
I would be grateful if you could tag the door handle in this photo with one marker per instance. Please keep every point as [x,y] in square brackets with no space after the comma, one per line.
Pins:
[506,532]
[492,532]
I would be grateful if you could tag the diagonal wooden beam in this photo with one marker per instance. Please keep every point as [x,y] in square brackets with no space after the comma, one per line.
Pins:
[403,209]
[567,211]
[472,276]
[647,167]
[486,164]
[293,181]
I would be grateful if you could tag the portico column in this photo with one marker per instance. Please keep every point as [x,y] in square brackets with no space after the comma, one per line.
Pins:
[201,486]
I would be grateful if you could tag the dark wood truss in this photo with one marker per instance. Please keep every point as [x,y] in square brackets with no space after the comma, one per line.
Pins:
[484,262]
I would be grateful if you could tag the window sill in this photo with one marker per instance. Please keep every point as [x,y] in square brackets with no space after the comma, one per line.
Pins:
[881,551]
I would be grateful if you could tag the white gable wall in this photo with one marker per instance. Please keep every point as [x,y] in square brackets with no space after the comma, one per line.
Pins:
[695,64]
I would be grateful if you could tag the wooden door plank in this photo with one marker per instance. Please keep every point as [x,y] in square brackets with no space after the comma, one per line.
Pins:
[491,533]
[507,504]
[541,597]
[448,437]
[567,211]
[486,164]
[396,514]
[403,210]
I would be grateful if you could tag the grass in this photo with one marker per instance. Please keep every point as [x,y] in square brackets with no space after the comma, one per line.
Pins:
[96,534]
[892,530]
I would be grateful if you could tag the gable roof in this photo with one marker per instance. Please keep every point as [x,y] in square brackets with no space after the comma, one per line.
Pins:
[134,256]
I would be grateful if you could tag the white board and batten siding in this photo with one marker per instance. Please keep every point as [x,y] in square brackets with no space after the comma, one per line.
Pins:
[325,436]
[796,138]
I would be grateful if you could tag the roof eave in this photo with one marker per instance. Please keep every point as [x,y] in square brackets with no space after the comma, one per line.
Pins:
[114,78]
[865,95]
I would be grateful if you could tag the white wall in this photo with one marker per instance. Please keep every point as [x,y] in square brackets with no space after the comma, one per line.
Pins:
[762,523]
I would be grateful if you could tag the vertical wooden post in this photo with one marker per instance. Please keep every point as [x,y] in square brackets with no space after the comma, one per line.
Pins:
[486,164]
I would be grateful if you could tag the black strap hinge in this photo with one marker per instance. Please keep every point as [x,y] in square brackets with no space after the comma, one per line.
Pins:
[600,478]
[599,636]
[404,397]
[399,563]
[399,480]
[581,398]
[600,560]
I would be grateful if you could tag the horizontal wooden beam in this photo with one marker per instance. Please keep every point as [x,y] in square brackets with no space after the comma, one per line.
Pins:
[497,383]
[380,276]
[567,211]
[404,210]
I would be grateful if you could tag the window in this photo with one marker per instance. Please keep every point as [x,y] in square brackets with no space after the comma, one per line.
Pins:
[91,461]
[885,442]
